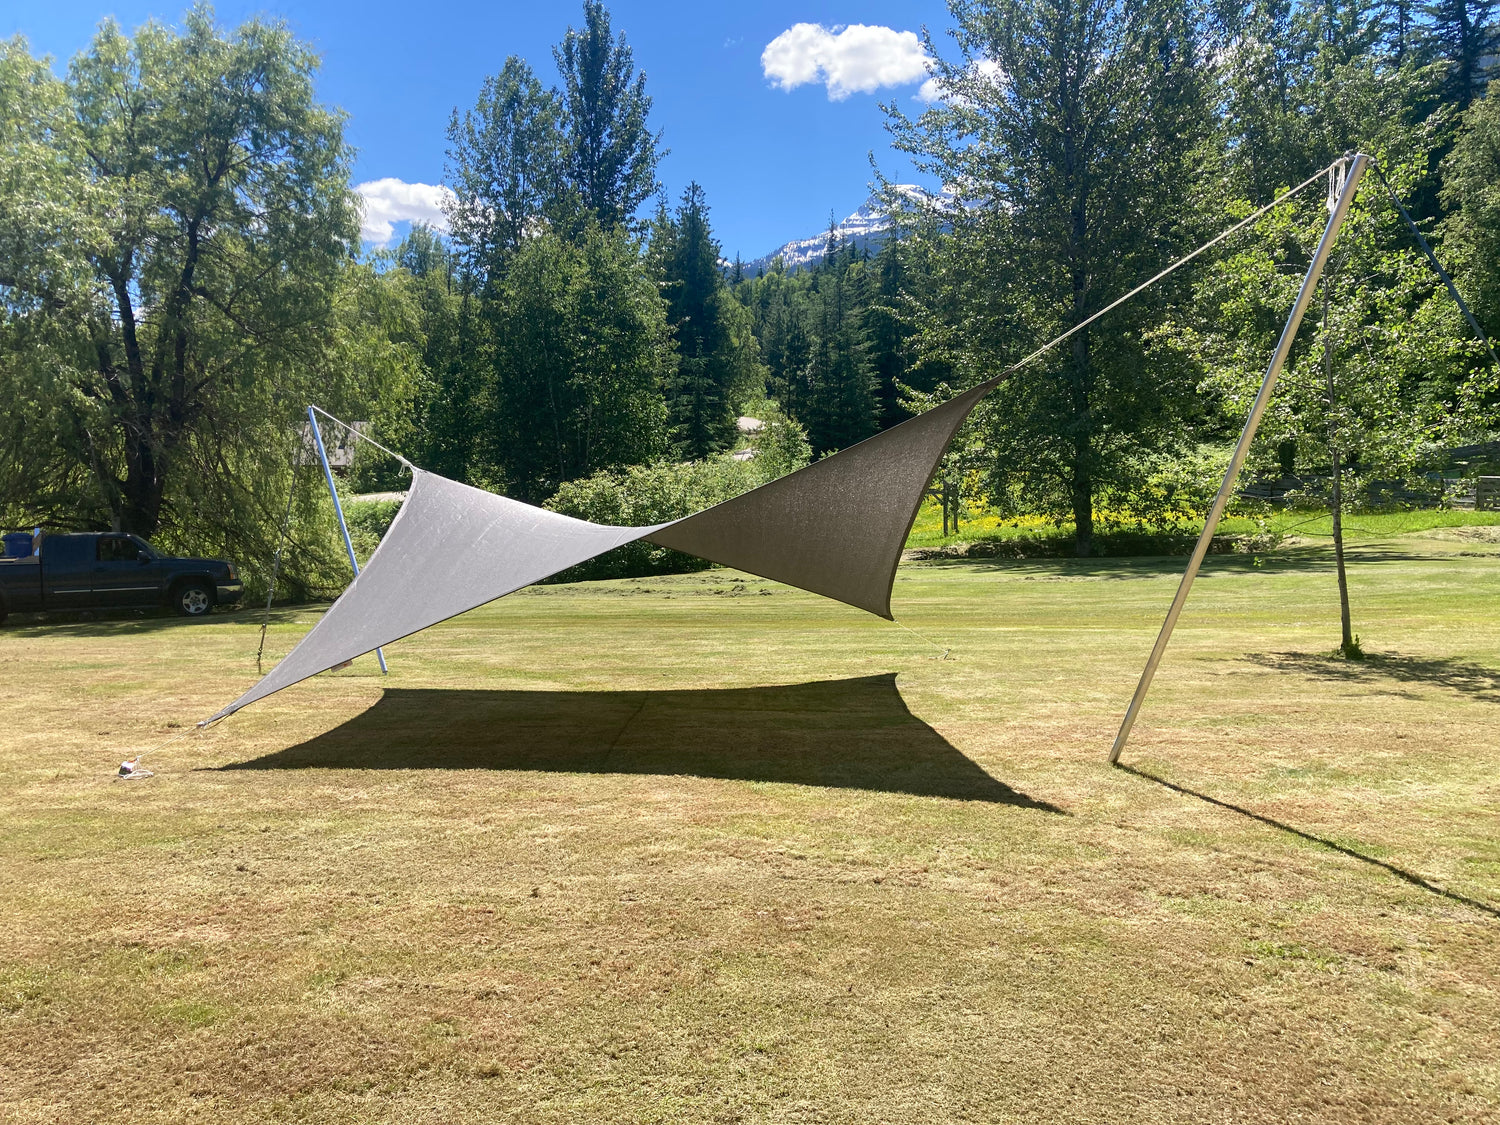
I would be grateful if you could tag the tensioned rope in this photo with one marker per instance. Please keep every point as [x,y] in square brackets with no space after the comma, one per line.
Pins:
[1178,264]
[1437,265]
[1080,326]
[364,437]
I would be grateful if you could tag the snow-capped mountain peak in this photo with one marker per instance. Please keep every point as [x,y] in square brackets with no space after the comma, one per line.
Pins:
[869,226]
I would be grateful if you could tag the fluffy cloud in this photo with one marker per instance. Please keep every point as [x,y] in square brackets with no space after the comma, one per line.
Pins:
[389,201]
[854,59]
[933,89]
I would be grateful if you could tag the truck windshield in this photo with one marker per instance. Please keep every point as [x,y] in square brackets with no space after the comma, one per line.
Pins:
[143,545]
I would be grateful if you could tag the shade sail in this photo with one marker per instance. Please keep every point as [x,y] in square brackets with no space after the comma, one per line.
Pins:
[449,549]
[837,527]
[834,528]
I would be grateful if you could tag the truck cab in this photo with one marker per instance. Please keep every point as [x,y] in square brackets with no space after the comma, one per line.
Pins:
[109,570]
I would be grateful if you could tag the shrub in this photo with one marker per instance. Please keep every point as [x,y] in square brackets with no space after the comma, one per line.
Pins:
[648,494]
[368,522]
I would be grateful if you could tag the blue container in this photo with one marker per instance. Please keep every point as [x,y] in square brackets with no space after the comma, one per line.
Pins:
[18,545]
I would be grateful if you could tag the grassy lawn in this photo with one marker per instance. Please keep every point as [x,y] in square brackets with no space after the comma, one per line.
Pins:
[1285,523]
[707,849]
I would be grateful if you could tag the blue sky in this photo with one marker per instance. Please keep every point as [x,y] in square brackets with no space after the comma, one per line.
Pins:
[773,160]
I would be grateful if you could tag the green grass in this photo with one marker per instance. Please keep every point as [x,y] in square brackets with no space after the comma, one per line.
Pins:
[989,526]
[702,848]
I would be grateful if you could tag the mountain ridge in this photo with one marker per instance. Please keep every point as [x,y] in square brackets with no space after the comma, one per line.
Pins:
[867,227]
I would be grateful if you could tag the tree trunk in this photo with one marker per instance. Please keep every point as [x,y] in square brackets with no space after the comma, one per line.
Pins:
[1083,514]
[1347,644]
[1082,479]
[144,485]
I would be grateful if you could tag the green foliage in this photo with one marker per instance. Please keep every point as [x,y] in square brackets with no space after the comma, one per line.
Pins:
[779,447]
[368,521]
[525,155]
[610,154]
[840,404]
[444,427]
[1472,191]
[505,164]
[1462,39]
[648,494]
[547,353]
[717,366]
[579,350]
[1076,175]
[176,281]
[1379,387]
[176,285]
[835,339]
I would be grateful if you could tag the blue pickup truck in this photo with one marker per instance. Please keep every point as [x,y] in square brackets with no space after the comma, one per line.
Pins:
[107,570]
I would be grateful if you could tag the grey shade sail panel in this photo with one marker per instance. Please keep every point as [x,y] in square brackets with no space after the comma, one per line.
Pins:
[836,528]
[450,549]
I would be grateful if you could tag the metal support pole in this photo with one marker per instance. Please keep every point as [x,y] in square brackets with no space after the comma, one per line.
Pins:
[312,420]
[1247,435]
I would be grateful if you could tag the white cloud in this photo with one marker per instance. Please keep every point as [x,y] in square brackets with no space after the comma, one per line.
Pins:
[389,201]
[929,91]
[933,89]
[858,58]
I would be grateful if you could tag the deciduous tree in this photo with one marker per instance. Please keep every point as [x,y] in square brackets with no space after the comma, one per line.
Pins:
[177,221]
[1072,133]
[610,153]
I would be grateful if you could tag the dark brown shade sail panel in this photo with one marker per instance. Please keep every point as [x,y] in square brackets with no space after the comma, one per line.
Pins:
[834,528]
[837,527]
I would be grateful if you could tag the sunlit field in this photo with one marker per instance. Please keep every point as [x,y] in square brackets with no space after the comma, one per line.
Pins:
[707,849]
[980,525]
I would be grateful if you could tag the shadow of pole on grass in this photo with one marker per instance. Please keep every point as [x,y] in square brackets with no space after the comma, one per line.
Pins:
[851,734]
[1400,872]
[1468,679]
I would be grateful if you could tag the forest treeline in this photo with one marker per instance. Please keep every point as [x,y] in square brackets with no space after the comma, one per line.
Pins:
[181,273]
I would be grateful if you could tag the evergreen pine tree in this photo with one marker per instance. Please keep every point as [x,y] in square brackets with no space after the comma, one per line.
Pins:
[1463,36]
[610,153]
[701,414]
[841,406]
[886,335]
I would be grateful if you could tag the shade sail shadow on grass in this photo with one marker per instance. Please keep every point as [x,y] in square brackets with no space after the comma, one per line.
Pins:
[1474,680]
[850,734]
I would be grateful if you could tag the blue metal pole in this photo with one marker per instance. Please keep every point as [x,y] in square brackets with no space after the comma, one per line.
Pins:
[339,508]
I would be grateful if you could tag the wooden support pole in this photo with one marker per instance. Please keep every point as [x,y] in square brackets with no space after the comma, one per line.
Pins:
[1268,384]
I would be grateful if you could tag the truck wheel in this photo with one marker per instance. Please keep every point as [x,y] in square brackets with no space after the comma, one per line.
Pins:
[193,599]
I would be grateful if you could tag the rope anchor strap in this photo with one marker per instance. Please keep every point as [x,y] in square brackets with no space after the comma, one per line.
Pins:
[942,653]
[131,768]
